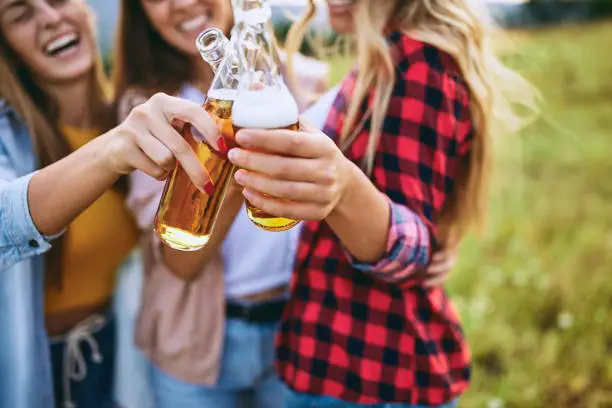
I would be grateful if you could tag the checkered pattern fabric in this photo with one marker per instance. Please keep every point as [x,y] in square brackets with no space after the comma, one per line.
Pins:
[371,333]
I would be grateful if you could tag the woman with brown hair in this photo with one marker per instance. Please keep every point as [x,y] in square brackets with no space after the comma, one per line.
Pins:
[64,230]
[399,172]
[208,331]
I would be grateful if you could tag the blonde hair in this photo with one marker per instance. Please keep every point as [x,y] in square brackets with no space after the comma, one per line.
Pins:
[457,28]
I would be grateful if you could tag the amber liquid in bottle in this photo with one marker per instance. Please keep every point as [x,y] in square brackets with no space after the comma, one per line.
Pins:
[261,218]
[263,100]
[270,108]
[186,216]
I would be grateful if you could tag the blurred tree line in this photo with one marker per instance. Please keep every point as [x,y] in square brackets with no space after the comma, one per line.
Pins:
[532,13]
[545,12]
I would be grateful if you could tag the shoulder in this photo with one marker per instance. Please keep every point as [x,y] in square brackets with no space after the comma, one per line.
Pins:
[9,117]
[311,73]
[426,71]
[414,57]
[14,137]
[5,108]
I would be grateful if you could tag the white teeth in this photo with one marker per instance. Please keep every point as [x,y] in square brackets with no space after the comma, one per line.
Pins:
[193,24]
[60,43]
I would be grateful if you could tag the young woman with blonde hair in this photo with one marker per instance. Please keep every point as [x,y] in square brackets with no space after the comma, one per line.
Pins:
[64,229]
[400,171]
[226,299]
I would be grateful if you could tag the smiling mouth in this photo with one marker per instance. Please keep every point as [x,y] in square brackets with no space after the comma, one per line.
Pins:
[62,45]
[340,2]
[193,24]
[339,7]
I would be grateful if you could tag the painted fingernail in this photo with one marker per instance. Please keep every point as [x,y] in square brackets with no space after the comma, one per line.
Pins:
[209,188]
[222,145]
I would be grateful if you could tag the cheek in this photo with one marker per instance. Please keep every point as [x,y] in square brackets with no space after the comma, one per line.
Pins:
[86,25]
[226,19]
[22,41]
[159,18]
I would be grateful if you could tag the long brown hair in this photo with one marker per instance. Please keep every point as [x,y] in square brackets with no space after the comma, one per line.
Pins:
[40,114]
[143,59]
[465,33]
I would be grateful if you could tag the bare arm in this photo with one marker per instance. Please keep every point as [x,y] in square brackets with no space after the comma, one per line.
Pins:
[145,141]
[361,219]
[62,190]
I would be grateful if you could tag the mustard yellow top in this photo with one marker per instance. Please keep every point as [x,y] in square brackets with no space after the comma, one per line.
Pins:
[96,243]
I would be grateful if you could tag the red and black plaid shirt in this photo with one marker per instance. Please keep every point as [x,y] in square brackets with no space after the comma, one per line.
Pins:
[373,333]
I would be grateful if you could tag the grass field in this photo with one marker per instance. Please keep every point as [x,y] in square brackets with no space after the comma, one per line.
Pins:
[535,293]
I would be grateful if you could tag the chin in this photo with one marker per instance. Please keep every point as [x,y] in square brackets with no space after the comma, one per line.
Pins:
[342,25]
[72,71]
[185,44]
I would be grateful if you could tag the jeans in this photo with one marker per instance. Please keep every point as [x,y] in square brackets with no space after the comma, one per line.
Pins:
[247,378]
[83,364]
[297,400]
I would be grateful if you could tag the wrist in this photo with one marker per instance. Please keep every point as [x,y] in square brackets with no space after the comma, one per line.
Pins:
[352,177]
[102,157]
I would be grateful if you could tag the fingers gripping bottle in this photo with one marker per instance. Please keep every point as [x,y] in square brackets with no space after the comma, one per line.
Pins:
[186,216]
[263,100]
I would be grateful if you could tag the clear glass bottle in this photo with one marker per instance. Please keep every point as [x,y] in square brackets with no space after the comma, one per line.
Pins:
[186,216]
[263,100]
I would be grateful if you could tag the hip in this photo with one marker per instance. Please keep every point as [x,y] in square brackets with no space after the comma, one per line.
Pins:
[83,363]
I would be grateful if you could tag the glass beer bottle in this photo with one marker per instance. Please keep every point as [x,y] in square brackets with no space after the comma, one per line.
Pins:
[263,100]
[186,216]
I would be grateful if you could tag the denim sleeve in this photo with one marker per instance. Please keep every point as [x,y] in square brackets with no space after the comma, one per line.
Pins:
[19,237]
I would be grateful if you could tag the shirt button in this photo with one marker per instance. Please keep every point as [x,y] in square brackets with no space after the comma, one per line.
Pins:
[33,243]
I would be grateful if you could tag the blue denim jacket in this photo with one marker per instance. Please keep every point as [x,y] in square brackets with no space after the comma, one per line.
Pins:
[25,370]
[25,373]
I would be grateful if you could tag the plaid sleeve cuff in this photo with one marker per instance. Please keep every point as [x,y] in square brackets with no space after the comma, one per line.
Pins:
[407,247]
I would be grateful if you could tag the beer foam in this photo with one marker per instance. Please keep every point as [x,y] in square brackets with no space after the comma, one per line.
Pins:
[222,94]
[269,108]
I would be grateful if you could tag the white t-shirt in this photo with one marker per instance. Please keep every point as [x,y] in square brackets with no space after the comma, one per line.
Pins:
[254,260]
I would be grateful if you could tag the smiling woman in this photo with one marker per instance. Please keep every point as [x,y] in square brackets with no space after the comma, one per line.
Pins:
[72,43]
[60,97]
[155,50]
[64,229]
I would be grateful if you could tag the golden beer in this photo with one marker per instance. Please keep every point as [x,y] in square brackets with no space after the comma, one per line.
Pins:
[186,216]
[270,108]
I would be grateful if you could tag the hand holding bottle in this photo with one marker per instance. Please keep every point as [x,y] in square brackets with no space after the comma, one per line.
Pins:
[147,141]
[295,174]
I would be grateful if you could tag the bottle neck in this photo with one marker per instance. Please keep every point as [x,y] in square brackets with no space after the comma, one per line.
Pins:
[213,47]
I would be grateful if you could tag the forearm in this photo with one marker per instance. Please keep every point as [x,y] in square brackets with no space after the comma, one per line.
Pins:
[188,264]
[59,192]
[382,238]
[361,219]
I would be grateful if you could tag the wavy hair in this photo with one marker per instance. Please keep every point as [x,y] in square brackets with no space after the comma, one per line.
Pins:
[502,101]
